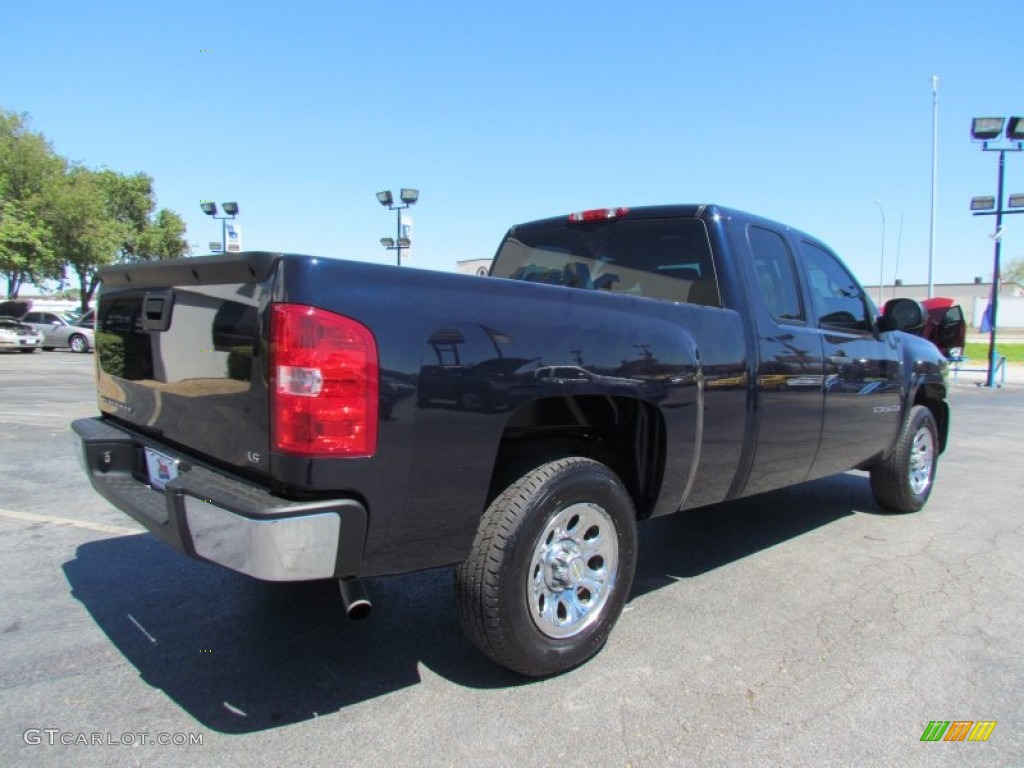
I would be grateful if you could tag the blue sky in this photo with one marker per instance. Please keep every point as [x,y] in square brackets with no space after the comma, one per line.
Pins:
[806,112]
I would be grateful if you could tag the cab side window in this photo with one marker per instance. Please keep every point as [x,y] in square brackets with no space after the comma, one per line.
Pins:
[776,275]
[838,300]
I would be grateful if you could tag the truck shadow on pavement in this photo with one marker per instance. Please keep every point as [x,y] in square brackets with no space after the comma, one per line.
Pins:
[241,656]
[690,543]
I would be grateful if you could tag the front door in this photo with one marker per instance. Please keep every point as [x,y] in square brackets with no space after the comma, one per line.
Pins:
[863,381]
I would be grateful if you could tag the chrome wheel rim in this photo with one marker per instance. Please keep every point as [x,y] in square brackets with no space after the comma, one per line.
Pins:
[78,344]
[922,458]
[573,570]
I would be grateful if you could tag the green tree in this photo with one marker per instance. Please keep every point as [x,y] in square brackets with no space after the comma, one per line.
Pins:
[129,202]
[28,169]
[85,232]
[163,238]
[25,252]
[102,217]
[53,216]
[1013,272]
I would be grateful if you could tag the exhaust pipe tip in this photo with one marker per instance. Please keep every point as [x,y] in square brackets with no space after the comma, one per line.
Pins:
[356,601]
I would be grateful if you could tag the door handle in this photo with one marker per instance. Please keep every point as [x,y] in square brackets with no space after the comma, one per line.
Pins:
[156,310]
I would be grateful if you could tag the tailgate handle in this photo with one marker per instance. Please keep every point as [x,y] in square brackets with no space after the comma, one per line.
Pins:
[156,310]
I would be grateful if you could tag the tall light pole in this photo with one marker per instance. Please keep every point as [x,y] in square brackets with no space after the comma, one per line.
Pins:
[985,130]
[899,248]
[231,209]
[935,177]
[881,278]
[409,197]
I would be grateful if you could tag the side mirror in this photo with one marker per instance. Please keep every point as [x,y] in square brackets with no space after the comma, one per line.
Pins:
[903,315]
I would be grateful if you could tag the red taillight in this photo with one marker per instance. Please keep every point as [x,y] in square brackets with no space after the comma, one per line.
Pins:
[323,383]
[598,214]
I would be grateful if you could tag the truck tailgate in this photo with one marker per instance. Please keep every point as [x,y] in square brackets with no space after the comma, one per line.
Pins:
[181,355]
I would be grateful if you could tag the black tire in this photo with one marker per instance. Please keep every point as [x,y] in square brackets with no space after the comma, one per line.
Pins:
[78,343]
[532,566]
[904,481]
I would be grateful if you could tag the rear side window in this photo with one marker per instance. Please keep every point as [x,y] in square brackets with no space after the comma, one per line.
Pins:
[776,274]
[667,259]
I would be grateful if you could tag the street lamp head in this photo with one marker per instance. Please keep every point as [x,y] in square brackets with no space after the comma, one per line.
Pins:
[210,209]
[1015,129]
[385,198]
[985,203]
[986,128]
[404,242]
[410,196]
[1016,201]
[231,209]
[387,242]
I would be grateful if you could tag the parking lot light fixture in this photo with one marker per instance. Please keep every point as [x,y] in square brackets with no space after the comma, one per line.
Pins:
[1015,129]
[231,209]
[881,278]
[987,130]
[1016,201]
[408,197]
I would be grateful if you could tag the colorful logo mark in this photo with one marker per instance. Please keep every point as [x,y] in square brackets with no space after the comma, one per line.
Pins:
[958,730]
[163,467]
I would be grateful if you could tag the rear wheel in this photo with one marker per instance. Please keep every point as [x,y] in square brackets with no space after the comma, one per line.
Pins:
[551,568]
[78,343]
[904,481]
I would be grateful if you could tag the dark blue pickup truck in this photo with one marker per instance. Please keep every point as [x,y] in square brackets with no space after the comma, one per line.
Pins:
[296,418]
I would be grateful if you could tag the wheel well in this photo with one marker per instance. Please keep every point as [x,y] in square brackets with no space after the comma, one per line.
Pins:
[935,403]
[623,433]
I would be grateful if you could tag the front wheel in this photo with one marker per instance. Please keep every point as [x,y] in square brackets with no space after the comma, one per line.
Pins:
[904,481]
[550,569]
[78,344]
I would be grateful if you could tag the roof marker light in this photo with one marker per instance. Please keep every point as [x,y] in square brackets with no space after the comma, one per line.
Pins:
[598,214]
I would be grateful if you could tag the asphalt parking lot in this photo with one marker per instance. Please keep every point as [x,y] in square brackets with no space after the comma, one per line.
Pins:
[800,628]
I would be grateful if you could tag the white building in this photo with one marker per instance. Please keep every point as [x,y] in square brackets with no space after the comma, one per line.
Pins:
[474,267]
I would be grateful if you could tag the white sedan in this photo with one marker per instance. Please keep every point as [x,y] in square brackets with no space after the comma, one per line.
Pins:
[15,335]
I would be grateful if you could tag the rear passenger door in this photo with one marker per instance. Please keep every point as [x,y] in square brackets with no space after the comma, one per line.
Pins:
[863,382]
[790,369]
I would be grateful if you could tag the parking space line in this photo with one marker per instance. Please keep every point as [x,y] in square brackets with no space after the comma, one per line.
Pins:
[70,522]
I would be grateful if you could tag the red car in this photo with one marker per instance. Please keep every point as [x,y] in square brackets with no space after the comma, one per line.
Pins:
[946,327]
